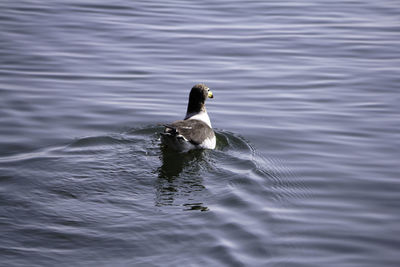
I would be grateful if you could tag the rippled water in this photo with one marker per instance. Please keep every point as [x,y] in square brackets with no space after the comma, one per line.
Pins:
[306,114]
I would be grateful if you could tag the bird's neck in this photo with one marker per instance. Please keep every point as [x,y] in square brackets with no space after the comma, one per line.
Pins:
[195,107]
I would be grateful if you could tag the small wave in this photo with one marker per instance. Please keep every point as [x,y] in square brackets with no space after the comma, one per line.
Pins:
[245,165]
[179,179]
[93,141]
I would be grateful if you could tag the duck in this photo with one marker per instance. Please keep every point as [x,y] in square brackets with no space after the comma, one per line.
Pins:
[195,130]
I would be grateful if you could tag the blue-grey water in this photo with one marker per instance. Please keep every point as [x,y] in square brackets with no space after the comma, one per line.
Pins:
[306,111]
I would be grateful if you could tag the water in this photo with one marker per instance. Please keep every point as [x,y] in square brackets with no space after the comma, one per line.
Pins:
[306,114]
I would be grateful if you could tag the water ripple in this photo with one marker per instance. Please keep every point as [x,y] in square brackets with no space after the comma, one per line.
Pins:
[305,171]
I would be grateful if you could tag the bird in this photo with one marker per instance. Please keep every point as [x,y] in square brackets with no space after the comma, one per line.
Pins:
[195,130]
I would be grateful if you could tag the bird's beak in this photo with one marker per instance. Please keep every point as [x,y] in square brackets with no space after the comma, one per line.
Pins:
[210,94]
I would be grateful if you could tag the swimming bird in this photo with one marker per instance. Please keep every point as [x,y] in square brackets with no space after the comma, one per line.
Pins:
[194,131]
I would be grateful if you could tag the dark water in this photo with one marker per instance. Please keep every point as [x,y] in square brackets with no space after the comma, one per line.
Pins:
[306,111]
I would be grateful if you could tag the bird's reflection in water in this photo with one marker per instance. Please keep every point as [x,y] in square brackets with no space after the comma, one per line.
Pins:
[179,180]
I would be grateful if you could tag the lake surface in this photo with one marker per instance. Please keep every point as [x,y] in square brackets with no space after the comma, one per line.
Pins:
[306,111]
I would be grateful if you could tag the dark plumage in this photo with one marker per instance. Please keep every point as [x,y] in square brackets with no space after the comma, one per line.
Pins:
[197,99]
[195,130]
